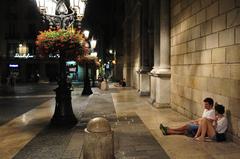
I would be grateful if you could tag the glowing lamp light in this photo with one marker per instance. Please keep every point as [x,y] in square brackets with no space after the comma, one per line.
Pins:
[79,6]
[86,33]
[51,7]
[94,54]
[93,43]
[40,3]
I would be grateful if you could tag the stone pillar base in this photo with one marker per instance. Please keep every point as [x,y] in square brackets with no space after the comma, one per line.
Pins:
[152,88]
[144,89]
[151,101]
[163,90]
[141,93]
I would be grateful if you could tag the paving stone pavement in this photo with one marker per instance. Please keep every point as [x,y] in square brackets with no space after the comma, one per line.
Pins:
[134,121]
[50,143]
[132,140]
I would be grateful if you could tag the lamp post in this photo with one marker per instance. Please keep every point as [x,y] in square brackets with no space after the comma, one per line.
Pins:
[93,44]
[62,14]
[87,88]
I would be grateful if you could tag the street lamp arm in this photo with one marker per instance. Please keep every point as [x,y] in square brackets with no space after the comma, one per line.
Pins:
[62,12]
[63,20]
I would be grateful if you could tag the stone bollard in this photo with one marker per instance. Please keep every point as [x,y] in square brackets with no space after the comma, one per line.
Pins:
[104,85]
[98,140]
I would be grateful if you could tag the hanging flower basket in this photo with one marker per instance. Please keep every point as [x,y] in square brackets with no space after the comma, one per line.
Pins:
[90,60]
[57,42]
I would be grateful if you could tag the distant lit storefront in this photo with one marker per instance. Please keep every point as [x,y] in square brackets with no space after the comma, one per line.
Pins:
[27,67]
[22,62]
[75,72]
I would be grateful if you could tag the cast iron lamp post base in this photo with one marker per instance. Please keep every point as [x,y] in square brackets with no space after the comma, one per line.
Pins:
[63,114]
[87,87]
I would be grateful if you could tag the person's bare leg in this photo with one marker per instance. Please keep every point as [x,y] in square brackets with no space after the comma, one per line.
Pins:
[182,128]
[174,132]
[207,129]
[210,129]
[198,131]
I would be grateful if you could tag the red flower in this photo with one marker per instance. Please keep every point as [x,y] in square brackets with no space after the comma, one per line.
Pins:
[59,41]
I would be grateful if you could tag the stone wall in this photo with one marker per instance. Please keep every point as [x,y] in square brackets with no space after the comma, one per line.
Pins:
[205,57]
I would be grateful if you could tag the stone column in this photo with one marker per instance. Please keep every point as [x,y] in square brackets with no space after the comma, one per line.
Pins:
[156,36]
[164,36]
[144,89]
[163,72]
[156,40]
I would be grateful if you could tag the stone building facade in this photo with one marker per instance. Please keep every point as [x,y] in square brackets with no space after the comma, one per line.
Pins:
[180,51]
[205,57]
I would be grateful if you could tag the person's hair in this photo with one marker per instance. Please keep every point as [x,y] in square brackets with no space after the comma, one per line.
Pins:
[209,101]
[219,108]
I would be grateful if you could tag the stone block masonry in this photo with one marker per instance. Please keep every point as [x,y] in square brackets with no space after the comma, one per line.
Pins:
[210,64]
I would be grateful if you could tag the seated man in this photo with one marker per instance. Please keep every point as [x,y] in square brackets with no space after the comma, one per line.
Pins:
[214,132]
[192,127]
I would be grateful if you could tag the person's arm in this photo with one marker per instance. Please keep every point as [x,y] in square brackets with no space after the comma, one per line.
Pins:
[222,125]
[211,120]
[196,121]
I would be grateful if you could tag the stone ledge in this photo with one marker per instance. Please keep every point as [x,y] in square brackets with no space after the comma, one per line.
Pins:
[161,105]
[161,73]
[144,93]
[143,71]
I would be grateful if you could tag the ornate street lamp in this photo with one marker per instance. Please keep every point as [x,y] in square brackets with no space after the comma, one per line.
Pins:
[62,14]
[91,60]
[93,44]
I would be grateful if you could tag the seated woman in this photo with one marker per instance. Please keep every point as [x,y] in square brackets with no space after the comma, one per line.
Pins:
[214,132]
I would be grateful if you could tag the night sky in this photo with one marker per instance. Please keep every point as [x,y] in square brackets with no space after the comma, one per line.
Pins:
[97,15]
[99,18]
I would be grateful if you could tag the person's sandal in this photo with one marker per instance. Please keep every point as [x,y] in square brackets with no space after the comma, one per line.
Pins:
[163,129]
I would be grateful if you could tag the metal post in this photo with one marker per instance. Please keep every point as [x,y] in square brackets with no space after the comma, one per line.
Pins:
[87,87]
[63,114]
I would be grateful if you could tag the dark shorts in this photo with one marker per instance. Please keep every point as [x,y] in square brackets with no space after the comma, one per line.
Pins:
[192,129]
[219,137]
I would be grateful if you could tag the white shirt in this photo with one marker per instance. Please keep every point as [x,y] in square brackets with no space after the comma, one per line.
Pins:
[222,125]
[209,114]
